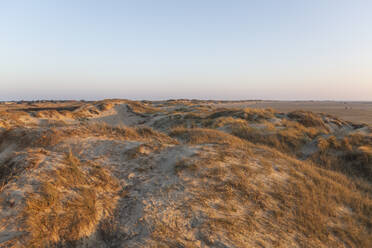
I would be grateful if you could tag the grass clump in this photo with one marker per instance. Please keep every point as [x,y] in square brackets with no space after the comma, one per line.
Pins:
[349,155]
[285,140]
[205,136]
[249,114]
[308,119]
[68,208]
[141,108]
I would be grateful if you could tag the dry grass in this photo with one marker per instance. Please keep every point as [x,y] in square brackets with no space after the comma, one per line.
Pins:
[104,106]
[68,207]
[249,114]
[13,118]
[340,154]
[349,155]
[142,108]
[308,119]
[31,137]
[11,169]
[243,186]
[51,136]
[287,140]
[206,136]
[319,198]
[222,122]
[309,131]
[238,205]
[123,132]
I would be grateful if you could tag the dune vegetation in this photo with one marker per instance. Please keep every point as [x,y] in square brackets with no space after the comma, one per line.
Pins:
[181,173]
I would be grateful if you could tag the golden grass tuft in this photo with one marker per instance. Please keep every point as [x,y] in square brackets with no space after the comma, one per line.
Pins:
[308,119]
[142,108]
[205,136]
[69,204]
[222,122]
[286,140]
[249,114]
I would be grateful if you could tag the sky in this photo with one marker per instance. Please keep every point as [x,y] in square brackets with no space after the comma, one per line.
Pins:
[205,49]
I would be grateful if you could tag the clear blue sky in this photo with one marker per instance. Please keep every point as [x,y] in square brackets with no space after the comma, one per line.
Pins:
[86,49]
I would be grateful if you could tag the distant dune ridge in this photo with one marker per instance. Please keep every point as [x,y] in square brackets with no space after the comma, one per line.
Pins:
[181,173]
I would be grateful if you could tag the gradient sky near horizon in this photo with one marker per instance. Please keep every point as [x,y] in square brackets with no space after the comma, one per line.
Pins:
[207,49]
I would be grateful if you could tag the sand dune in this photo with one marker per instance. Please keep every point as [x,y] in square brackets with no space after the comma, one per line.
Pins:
[179,173]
